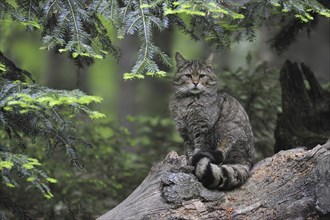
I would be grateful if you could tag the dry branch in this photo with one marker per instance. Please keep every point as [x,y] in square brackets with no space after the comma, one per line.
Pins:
[290,184]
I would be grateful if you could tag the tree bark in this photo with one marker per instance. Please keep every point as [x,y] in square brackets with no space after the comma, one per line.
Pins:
[305,117]
[290,184]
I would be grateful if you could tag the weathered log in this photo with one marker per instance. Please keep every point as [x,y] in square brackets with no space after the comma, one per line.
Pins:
[290,184]
[305,117]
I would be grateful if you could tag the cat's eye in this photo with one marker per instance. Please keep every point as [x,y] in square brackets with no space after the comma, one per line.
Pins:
[188,75]
[202,75]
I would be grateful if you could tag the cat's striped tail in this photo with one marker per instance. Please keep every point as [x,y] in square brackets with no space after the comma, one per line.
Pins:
[224,176]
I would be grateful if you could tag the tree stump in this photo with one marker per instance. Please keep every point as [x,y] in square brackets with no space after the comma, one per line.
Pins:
[290,184]
[305,117]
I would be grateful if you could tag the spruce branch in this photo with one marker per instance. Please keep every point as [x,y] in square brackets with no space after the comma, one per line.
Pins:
[27,169]
[76,26]
[33,111]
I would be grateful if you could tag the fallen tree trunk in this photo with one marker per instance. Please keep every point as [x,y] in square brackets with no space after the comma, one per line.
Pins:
[290,184]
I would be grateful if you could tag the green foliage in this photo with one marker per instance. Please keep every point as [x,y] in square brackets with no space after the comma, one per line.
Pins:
[305,14]
[10,71]
[155,137]
[201,8]
[26,98]
[33,114]
[35,118]
[33,110]
[87,37]
[112,172]
[2,68]
[289,33]
[303,9]
[130,76]
[257,88]
[77,26]
[25,168]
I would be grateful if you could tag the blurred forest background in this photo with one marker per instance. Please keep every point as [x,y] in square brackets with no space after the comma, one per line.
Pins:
[137,130]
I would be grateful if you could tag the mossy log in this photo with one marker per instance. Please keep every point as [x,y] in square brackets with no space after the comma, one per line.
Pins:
[292,184]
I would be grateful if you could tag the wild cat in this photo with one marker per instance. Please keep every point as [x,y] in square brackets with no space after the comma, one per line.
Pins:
[216,130]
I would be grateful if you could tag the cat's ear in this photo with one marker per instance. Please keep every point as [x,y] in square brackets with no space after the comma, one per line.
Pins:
[180,61]
[209,59]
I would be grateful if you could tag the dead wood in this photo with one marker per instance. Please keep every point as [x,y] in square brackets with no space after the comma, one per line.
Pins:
[290,184]
[305,116]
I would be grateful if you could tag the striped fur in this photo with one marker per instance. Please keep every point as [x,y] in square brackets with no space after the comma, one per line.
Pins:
[216,130]
[225,176]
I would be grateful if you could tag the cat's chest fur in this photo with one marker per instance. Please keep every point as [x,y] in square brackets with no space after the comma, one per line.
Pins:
[188,109]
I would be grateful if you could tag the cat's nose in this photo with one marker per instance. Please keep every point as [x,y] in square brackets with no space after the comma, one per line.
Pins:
[195,83]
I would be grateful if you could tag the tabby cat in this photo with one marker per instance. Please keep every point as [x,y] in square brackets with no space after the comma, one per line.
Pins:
[215,128]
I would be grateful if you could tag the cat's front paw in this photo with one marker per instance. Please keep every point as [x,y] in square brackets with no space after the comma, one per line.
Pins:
[215,157]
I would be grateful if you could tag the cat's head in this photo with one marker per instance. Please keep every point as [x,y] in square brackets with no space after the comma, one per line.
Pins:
[194,76]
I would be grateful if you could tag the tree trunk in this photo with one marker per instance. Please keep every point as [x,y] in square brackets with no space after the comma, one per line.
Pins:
[305,117]
[290,184]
